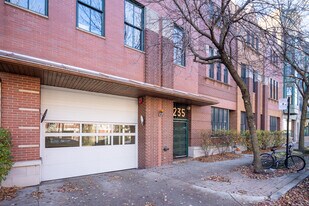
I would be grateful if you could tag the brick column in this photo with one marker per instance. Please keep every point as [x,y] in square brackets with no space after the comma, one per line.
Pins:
[21,114]
[156,132]
[167,63]
[152,58]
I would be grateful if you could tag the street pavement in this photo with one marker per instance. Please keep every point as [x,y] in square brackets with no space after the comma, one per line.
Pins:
[181,183]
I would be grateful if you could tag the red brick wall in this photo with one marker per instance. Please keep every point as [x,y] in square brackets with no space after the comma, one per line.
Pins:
[56,38]
[200,121]
[152,58]
[13,118]
[156,133]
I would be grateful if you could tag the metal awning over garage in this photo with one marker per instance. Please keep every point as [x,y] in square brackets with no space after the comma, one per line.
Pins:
[61,75]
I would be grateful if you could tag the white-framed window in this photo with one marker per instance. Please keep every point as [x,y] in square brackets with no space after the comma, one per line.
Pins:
[72,134]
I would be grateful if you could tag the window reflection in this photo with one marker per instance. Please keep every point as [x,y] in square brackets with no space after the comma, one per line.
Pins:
[71,141]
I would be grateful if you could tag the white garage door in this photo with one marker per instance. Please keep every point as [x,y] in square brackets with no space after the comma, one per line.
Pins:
[87,133]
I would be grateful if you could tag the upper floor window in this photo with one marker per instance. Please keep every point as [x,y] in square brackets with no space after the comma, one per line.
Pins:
[273,89]
[179,51]
[38,6]
[255,80]
[219,72]
[252,40]
[90,16]
[226,76]
[211,66]
[134,25]
[244,73]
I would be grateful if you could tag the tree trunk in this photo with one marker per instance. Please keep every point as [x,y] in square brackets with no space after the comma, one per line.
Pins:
[252,129]
[301,140]
[249,113]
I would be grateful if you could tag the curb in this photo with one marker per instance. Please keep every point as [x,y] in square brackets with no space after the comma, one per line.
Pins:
[237,197]
[275,196]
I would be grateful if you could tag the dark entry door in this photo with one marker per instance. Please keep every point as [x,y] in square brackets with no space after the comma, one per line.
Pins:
[180,148]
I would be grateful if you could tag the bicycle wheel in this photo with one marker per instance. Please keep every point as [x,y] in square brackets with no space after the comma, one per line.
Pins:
[267,160]
[295,162]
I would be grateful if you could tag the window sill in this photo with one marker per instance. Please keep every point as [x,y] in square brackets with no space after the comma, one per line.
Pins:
[128,47]
[24,9]
[273,100]
[88,32]
[217,81]
[180,66]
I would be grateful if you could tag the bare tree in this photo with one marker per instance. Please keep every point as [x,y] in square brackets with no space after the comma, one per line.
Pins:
[221,24]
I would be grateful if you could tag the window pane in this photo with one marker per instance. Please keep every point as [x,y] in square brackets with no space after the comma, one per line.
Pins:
[88,141]
[118,128]
[104,140]
[129,129]
[22,3]
[62,128]
[137,39]
[129,9]
[137,17]
[129,139]
[97,4]
[38,6]
[117,140]
[128,35]
[89,128]
[96,22]
[83,17]
[52,142]
[86,1]
[104,128]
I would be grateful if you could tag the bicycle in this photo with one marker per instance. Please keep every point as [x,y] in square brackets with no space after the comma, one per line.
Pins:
[272,160]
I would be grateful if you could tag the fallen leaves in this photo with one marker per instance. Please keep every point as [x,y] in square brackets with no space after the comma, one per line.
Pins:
[219,157]
[69,187]
[248,171]
[218,178]
[37,194]
[8,193]
[297,196]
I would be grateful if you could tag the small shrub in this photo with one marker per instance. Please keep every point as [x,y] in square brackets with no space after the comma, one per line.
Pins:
[6,160]
[266,139]
[206,141]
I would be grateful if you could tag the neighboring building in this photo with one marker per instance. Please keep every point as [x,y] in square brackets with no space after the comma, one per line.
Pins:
[95,87]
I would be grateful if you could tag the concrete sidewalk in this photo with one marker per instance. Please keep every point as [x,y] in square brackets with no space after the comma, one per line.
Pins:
[182,183]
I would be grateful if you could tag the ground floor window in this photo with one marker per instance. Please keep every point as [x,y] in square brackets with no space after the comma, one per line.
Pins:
[219,119]
[243,123]
[61,134]
[273,126]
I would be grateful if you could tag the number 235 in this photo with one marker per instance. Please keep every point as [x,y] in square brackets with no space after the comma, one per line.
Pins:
[179,112]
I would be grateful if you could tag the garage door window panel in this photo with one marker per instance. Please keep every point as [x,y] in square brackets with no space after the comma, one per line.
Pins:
[61,141]
[129,139]
[62,128]
[117,140]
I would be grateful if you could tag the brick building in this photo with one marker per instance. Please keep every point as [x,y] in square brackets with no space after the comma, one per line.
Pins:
[95,87]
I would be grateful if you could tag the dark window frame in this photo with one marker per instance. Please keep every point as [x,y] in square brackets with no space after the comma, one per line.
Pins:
[219,78]
[211,66]
[225,75]
[220,119]
[80,2]
[243,122]
[181,49]
[141,29]
[273,123]
[28,3]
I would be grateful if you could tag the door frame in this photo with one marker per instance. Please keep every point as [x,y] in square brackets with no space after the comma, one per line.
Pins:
[187,136]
